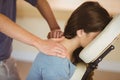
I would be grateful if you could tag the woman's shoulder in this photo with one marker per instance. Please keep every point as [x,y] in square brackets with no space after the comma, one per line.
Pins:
[51,60]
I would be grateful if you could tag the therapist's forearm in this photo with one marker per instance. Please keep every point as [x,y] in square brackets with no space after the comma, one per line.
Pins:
[14,31]
[47,13]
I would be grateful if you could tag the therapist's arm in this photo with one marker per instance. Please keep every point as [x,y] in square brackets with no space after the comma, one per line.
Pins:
[14,31]
[46,11]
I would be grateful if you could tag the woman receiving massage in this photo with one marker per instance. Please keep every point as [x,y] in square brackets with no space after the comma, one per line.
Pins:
[85,23]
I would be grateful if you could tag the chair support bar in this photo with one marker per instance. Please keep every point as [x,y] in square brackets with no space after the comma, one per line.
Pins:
[93,65]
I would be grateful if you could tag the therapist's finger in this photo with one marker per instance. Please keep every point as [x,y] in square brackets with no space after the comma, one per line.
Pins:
[60,53]
[55,34]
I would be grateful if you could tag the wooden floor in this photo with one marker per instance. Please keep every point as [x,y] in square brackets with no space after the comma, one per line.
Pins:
[23,68]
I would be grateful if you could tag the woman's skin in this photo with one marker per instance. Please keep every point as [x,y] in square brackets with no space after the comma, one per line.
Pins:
[81,39]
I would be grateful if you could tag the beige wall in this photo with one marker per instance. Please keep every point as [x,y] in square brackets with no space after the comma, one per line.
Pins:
[30,19]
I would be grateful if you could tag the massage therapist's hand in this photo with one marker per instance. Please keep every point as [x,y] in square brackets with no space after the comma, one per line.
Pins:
[57,33]
[53,48]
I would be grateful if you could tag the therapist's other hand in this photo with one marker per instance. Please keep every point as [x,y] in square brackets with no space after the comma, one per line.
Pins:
[55,34]
[53,48]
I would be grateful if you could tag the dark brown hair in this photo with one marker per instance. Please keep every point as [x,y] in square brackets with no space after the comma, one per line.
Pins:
[91,17]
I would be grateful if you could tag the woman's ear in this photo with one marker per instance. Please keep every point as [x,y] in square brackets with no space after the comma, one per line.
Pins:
[80,33]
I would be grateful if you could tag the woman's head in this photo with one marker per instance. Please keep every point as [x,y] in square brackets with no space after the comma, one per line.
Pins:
[89,17]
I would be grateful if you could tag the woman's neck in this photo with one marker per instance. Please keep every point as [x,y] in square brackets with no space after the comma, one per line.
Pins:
[70,45]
